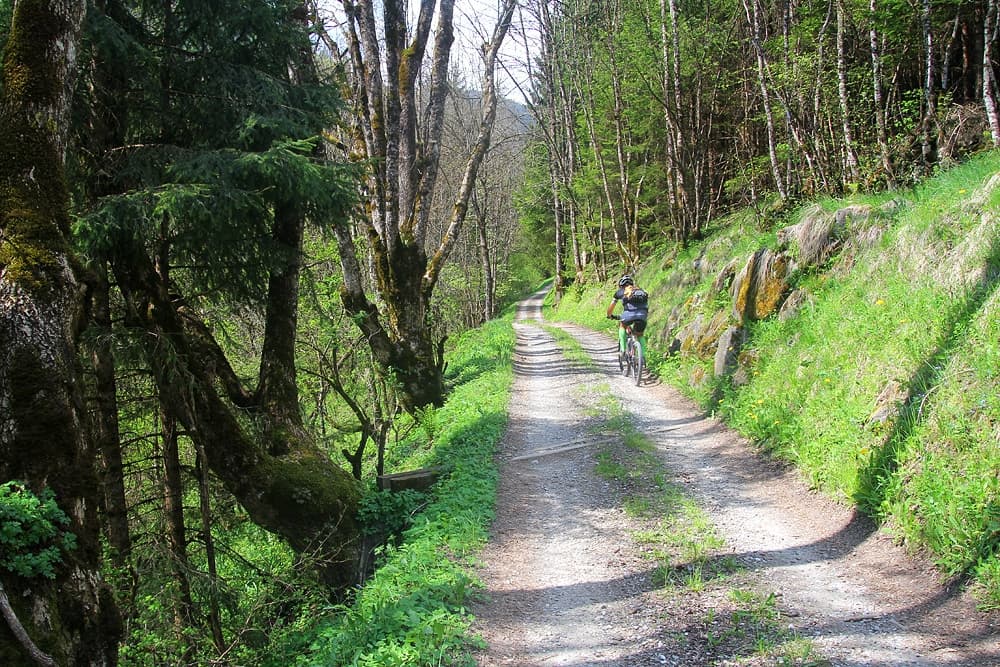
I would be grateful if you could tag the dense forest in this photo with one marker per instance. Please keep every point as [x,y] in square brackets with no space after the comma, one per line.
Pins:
[656,117]
[237,238]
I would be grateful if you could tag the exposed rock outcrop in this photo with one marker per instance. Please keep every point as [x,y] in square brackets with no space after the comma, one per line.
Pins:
[727,351]
[700,337]
[793,304]
[759,288]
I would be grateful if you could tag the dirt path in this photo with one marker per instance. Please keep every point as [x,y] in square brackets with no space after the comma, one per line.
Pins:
[568,585]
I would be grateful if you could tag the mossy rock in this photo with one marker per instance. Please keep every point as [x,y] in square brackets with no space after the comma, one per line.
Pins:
[760,287]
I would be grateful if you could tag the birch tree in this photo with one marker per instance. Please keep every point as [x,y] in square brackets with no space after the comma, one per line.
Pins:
[989,74]
[845,104]
[878,94]
[755,21]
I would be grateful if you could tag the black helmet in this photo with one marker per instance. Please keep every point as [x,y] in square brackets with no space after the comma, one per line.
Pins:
[626,280]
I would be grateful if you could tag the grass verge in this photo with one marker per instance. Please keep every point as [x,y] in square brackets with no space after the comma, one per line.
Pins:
[411,612]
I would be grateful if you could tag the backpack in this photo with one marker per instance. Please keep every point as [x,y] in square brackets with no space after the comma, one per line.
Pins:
[636,296]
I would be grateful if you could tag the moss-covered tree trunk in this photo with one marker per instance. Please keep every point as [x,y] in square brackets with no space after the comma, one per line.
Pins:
[253,441]
[72,619]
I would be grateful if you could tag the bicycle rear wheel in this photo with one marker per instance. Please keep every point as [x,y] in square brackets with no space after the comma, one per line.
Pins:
[639,362]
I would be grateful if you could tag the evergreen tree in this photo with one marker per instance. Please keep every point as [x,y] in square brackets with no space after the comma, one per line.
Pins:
[202,160]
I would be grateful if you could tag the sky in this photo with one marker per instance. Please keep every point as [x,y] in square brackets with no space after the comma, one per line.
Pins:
[474,23]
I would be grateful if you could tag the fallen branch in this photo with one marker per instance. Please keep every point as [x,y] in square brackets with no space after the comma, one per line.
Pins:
[21,633]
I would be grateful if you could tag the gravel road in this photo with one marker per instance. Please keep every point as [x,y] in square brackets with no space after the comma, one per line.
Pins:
[567,583]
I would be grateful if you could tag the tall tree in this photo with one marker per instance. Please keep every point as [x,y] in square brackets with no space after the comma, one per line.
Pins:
[754,15]
[400,141]
[845,103]
[200,199]
[928,123]
[44,442]
[878,93]
[470,291]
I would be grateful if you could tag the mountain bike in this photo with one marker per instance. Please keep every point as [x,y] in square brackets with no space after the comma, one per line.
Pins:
[632,362]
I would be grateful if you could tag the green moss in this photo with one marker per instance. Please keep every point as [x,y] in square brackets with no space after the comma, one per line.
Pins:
[33,194]
[309,494]
[30,77]
[33,207]
[772,289]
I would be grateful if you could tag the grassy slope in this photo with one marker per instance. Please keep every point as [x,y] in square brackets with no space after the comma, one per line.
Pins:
[921,309]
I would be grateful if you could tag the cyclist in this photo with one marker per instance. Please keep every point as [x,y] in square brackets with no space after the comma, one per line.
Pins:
[635,310]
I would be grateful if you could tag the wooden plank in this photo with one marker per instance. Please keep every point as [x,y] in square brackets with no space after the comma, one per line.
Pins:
[409,479]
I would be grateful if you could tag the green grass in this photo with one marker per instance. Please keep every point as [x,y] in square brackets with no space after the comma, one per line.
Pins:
[570,348]
[411,612]
[918,311]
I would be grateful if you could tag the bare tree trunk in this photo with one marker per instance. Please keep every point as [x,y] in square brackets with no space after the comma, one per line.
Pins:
[173,511]
[560,136]
[72,619]
[628,208]
[567,172]
[551,115]
[849,150]
[757,39]
[205,507]
[485,260]
[929,121]
[106,429]
[558,215]
[277,391]
[617,227]
[989,73]
[385,75]
[676,160]
[878,96]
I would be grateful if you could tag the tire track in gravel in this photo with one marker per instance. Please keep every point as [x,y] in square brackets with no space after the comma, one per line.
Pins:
[566,587]
[563,587]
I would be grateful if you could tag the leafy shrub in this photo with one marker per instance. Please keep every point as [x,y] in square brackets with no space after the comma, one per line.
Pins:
[389,511]
[32,537]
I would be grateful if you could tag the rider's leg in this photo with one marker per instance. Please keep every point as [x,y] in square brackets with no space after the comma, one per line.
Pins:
[621,339]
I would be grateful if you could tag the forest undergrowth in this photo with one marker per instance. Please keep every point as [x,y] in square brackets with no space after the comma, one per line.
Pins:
[412,611]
